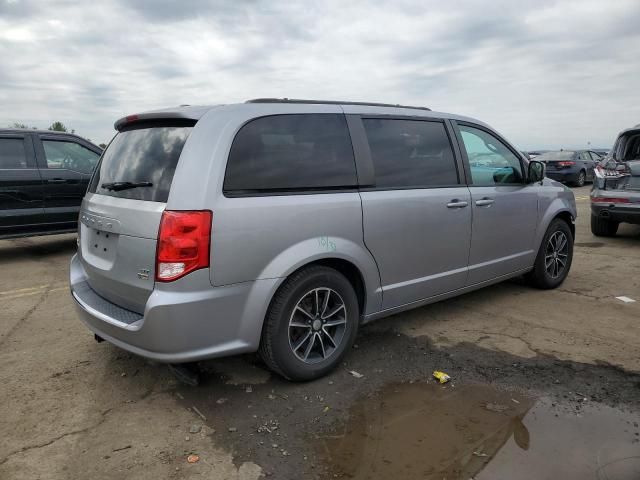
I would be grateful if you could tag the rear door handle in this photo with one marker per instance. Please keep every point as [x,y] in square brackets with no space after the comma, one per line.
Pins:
[456,204]
[56,180]
[485,202]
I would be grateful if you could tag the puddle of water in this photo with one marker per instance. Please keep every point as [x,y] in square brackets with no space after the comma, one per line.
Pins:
[429,431]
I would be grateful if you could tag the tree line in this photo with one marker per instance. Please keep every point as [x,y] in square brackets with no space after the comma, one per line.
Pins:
[54,127]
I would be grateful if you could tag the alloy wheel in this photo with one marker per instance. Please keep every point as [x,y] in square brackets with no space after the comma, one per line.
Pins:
[556,254]
[317,325]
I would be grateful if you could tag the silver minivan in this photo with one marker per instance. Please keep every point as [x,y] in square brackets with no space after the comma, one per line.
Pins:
[280,226]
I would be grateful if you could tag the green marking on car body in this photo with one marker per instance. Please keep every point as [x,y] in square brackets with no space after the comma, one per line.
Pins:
[327,244]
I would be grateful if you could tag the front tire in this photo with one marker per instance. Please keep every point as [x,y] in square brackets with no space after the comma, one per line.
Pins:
[311,323]
[554,257]
[603,227]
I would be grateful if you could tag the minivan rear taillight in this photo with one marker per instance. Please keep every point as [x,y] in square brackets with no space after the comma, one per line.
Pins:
[183,243]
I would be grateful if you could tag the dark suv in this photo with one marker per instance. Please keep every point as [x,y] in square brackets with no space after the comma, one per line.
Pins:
[43,177]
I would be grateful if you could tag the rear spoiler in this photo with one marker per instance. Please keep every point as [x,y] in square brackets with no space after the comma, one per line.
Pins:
[184,114]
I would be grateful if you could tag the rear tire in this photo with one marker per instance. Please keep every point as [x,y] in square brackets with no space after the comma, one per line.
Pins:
[603,227]
[582,177]
[311,324]
[554,257]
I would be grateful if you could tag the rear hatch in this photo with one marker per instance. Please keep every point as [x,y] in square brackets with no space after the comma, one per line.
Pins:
[620,180]
[121,212]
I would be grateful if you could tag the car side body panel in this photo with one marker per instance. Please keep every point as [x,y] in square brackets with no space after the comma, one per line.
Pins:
[554,199]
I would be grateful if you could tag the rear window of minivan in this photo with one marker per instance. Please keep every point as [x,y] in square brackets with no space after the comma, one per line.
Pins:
[291,153]
[145,155]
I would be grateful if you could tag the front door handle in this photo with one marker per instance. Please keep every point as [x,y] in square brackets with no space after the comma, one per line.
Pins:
[455,203]
[485,202]
[56,180]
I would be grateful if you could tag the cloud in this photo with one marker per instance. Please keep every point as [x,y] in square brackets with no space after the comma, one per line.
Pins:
[547,74]
[16,8]
[170,11]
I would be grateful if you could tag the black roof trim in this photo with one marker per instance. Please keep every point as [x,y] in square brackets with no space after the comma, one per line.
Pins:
[48,133]
[331,102]
[39,131]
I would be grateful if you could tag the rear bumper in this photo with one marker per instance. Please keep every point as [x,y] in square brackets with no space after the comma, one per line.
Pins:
[617,213]
[180,323]
[563,176]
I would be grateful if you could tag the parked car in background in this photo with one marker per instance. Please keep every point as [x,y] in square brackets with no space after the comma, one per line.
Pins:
[280,226]
[615,197]
[43,177]
[570,166]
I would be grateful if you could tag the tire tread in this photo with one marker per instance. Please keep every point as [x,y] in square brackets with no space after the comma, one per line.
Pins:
[602,227]
[537,277]
[277,306]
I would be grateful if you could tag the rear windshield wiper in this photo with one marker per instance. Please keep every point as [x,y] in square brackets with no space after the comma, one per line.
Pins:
[117,186]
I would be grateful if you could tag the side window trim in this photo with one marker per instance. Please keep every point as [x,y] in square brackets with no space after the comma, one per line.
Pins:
[364,163]
[464,176]
[463,150]
[463,153]
[365,152]
[38,148]
[30,145]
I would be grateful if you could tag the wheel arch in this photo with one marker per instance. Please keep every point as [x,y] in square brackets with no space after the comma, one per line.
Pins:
[351,272]
[557,209]
[568,218]
[346,267]
[350,258]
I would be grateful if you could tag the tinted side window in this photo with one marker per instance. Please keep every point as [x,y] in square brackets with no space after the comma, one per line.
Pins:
[585,155]
[69,155]
[410,153]
[291,152]
[491,162]
[12,153]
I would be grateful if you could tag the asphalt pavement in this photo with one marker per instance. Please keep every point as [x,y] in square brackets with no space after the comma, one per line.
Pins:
[542,381]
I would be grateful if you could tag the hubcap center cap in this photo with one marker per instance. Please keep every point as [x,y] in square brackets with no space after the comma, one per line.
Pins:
[316,325]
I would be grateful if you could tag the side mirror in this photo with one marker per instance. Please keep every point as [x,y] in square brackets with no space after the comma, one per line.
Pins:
[535,172]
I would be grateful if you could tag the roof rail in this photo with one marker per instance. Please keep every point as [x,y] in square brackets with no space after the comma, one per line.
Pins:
[331,102]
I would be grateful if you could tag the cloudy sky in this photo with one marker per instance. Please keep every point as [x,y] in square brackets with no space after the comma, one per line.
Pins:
[547,74]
